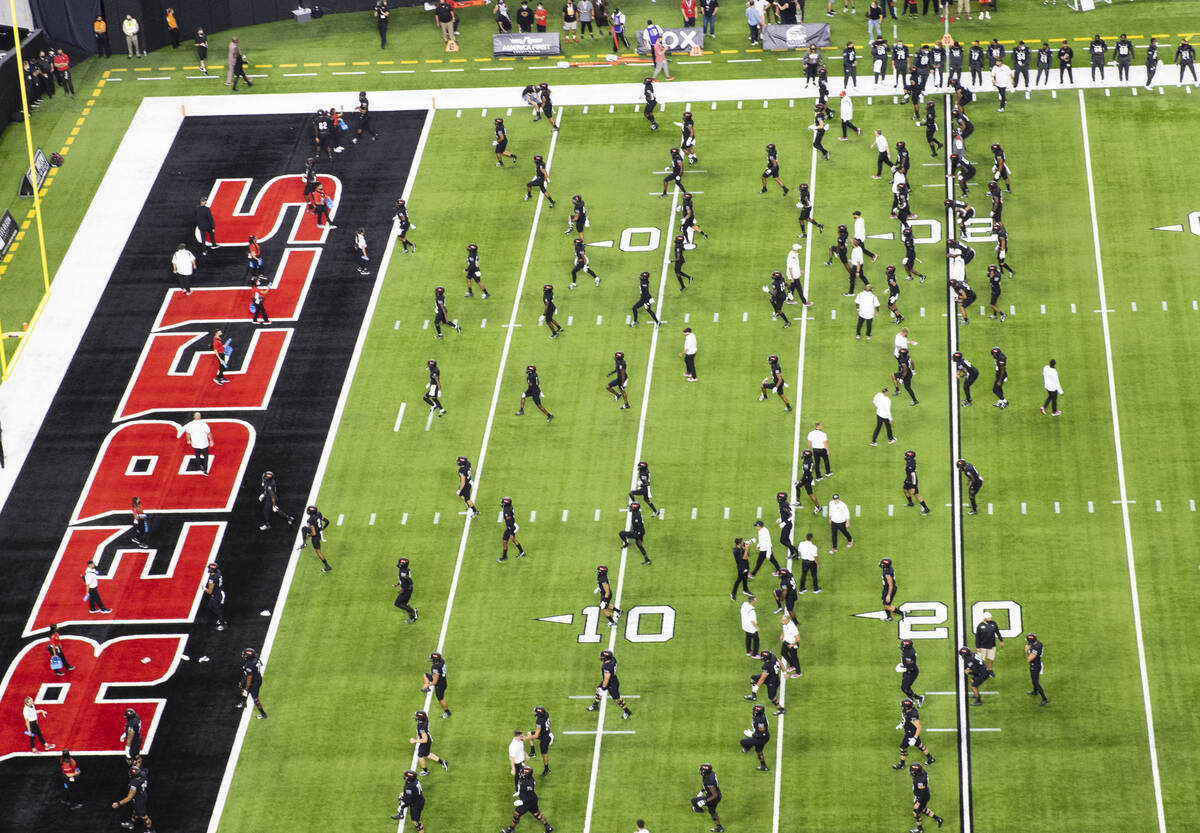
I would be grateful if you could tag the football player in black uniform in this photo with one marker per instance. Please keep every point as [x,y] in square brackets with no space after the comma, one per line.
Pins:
[269,498]
[1001,233]
[910,720]
[931,130]
[911,488]
[994,275]
[772,171]
[838,249]
[1151,63]
[1033,656]
[774,382]
[899,63]
[540,178]
[214,591]
[610,684]
[785,595]
[644,301]
[611,612]
[893,295]
[617,386]
[405,583]
[527,800]
[768,675]
[510,530]
[974,483]
[979,673]
[920,783]
[785,531]
[968,373]
[688,226]
[441,316]
[313,530]
[133,736]
[888,593]
[741,563]
[709,797]
[251,681]
[636,531]
[966,298]
[138,797]
[962,213]
[411,801]
[433,390]
[758,735]
[997,199]
[651,102]
[578,221]
[548,310]
[533,390]
[424,742]
[908,660]
[472,271]
[642,489]
[581,263]
[465,486]
[903,160]
[674,173]
[806,480]
[904,373]
[1001,361]
[1185,57]
[403,224]
[678,260]
[687,138]
[777,292]
[542,736]
[546,105]
[436,680]
[805,205]
[501,145]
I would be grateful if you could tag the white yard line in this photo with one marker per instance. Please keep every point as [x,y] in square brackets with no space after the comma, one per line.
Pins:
[966,810]
[281,600]
[637,455]
[1121,486]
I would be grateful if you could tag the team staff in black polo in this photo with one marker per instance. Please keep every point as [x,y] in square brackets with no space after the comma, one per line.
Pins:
[1033,656]
[987,637]
[741,563]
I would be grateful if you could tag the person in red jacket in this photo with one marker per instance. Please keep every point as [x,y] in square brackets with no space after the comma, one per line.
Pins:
[319,204]
[688,7]
[539,17]
[62,71]
[218,348]
[254,263]
[56,650]
[70,772]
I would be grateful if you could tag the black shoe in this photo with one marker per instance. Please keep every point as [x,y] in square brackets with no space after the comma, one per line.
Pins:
[899,765]
[397,817]
[545,770]
[502,558]
[939,820]
[762,768]
[445,765]
[929,759]
[593,708]
[326,569]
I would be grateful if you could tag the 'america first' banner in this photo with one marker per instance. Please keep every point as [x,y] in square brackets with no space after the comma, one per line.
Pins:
[675,40]
[800,36]
[526,43]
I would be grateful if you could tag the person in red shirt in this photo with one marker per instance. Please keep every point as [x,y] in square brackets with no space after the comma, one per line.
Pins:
[319,204]
[56,650]
[260,301]
[62,71]
[688,7]
[218,348]
[70,772]
[539,17]
[254,259]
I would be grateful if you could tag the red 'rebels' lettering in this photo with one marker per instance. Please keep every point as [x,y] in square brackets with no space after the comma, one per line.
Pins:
[279,195]
[80,715]
[232,304]
[149,459]
[128,588]
[158,386]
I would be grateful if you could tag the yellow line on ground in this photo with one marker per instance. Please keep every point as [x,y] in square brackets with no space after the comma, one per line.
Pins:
[142,69]
[728,51]
[433,60]
[187,67]
[64,151]
[264,66]
[385,63]
[74,131]
[410,62]
[458,60]
[79,121]
[337,63]
[166,69]
[20,236]
[116,69]
[313,65]
[482,60]
[360,63]
[757,50]
[70,140]
[287,66]
[508,59]
[581,56]
[85,111]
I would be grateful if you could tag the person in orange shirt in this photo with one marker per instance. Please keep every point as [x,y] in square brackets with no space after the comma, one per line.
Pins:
[173,28]
[100,28]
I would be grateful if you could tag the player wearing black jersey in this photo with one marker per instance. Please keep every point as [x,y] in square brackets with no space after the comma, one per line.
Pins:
[617,386]
[674,172]
[968,373]
[962,213]
[1185,57]
[424,742]
[910,670]
[1033,656]
[904,213]
[214,592]
[644,301]
[1097,50]
[651,102]
[931,129]
[610,684]
[1001,361]
[436,680]
[997,198]
[774,382]
[578,221]
[678,260]
[540,738]
[403,224]
[1020,64]
[777,292]
[887,577]
[911,487]
[757,735]
[433,390]
[903,161]
[893,295]
[411,801]
[510,530]
[581,264]
[1065,55]
[920,783]
[994,275]
[769,676]
[465,487]
[405,582]
[137,797]
[910,722]
[546,105]
[805,205]
[688,225]
[441,316]
[313,530]
[250,681]
[709,797]
[636,531]
[966,298]
[1001,233]
[607,606]
[501,144]
[526,802]
[548,310]
[772,171]
[540,178]
[974,483]
[472,271]
[838,249]
[979,673]
[687,137]
[741,563]
[1151,62]
[899,63]
[806,480]
[904,374]
[642,488]
[785,531]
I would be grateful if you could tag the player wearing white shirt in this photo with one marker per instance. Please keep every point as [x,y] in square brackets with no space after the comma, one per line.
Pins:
[750,627]
[183,264]
[860,234]
[846,109]
[516,755]
[818,441]
[867,303]
[789,647]
[199,437]
[855,265]
[795,277]
[902,340]
[883,416]
[1001,80]
[808,564]
[839,521]
[762,540]
[881,147]
[1053,388]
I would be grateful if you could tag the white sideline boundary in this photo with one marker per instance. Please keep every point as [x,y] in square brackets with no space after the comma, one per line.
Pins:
[1120,459]
[281,600]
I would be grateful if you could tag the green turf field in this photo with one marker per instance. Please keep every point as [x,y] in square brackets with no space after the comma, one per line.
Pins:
[1050,538]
